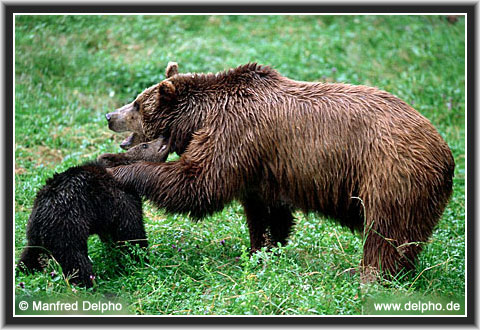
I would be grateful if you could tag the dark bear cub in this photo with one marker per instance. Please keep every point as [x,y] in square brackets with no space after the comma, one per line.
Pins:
[82,201]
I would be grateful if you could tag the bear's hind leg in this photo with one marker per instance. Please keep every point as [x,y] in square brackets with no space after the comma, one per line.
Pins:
[388,255]
[30,259]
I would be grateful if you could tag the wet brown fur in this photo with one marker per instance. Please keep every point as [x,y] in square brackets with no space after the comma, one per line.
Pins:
[354,153]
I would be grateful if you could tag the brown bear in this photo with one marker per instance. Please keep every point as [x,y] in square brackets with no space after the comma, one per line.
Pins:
[353,153]
[82,201]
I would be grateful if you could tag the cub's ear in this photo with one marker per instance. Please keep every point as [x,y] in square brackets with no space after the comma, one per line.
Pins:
[171,70]
[166,91]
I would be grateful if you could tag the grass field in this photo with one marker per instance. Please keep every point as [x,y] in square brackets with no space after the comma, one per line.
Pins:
[71,70]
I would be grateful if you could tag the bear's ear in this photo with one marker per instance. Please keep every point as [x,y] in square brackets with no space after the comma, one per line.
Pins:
[166,91]
[171,70]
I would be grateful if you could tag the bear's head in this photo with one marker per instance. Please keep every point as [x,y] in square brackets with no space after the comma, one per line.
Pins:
[128,118]
[167,110]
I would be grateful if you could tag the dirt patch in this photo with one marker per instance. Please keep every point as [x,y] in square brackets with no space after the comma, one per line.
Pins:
[19,170]
[82,144]
[40,155]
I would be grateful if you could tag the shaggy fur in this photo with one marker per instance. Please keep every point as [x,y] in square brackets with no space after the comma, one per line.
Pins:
[354,153]
[82,201]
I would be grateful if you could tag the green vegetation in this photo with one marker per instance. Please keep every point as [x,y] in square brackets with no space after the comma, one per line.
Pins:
[71,70]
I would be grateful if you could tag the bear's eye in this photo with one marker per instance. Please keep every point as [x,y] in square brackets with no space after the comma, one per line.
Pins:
[136,106]
[144,146]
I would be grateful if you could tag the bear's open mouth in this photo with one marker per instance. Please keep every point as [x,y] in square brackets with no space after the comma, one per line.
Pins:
[127,143]
[132,140]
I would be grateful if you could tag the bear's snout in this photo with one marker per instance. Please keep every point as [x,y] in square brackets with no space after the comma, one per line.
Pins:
[116,121]
[126,118]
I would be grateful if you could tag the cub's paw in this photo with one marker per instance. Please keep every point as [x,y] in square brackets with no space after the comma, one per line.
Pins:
[110,160]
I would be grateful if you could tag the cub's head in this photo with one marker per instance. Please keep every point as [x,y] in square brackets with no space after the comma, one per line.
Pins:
[154,151]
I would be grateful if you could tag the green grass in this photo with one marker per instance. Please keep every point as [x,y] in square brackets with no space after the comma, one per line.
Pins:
[71,70]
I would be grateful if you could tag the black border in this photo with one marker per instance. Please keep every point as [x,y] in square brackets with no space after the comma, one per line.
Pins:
[236,8]
[9,10]
[7,165]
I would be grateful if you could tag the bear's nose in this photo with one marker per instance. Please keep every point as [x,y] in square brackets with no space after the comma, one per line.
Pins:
[108,116]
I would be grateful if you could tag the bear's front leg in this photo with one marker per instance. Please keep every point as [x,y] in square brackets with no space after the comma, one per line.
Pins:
[76,265]
[177,187]
[280,221]
[268,225]
[256,213]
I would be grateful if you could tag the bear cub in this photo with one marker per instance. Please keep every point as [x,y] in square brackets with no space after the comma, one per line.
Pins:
[82,201]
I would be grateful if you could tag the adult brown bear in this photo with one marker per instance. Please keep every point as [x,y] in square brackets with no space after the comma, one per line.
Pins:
[354,153]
